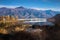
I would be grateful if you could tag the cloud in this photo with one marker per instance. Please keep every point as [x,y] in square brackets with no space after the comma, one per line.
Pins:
[55,9]
[40,8]
[8,6]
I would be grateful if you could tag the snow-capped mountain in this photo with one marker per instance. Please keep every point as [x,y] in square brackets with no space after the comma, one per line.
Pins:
[22,12]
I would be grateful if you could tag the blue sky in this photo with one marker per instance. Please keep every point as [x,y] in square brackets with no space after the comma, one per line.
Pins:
[35,4]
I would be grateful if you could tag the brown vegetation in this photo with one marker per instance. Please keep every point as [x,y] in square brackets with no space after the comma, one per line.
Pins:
[47,33]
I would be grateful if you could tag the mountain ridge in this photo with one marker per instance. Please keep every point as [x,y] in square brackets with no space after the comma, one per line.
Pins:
[23,12]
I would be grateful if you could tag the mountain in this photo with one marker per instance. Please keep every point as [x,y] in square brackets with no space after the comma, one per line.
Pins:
[23,12]
[55,19]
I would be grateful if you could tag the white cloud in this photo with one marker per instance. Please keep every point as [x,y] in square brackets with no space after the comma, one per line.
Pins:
[40,8]
[55,9]
[8,6]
